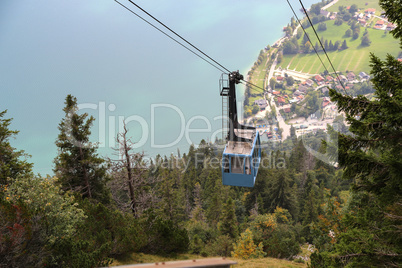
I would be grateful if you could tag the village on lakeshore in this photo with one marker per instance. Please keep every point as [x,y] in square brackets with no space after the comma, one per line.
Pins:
[296,86]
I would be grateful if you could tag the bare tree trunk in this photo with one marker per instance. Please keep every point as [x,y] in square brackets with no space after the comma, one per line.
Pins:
[129,173]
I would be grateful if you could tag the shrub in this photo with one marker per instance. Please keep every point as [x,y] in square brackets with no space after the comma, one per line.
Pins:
[164,236]
[245,247]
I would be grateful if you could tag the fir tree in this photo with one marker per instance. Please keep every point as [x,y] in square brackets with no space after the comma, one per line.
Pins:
[228,223]
[330,46]
[372,158]
[281,192]
[11,165]
[344,45]
[77,164]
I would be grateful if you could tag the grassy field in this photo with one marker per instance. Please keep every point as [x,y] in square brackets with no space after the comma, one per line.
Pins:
[137,258]
[361,4]
[258,76]
[267,263]
[355,58]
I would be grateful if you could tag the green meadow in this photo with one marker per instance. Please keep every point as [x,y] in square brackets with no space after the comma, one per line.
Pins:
[355,58]
[361,4]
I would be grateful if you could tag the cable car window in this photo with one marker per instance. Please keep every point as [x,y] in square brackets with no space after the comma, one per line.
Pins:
[255,157]
[237,164]
[226,164]
[248,167]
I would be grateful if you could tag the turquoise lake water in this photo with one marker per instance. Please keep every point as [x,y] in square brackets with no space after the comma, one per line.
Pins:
[119,68]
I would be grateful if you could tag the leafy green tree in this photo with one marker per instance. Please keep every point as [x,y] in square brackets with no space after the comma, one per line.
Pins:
[44,198]
[355,35]
[353,8]
[77,164]
[23,242]
[11,166]
[280,57]
[366,39]
[348,33]
[346,17]
[290,81]
[338,22]
[164,236]
[289,48]
[322,26]
[46,227]
[255,109]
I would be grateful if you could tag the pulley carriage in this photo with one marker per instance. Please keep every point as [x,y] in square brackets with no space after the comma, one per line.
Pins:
[242,155]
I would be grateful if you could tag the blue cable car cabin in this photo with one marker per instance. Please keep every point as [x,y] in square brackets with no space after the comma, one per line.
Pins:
[240,162]
[242,155]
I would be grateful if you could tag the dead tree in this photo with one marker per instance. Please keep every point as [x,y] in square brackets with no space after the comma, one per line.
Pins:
[131,184]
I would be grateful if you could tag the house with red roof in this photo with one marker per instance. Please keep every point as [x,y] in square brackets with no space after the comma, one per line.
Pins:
[279,78]
[370,11]
[286,110]
[390,26]
[379,23]
[362,22]
[276,92]
[319,78]
[325,102]
[281,100]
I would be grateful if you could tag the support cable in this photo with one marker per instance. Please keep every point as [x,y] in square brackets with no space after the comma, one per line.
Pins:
[323,48]
[182,38]
[220,69]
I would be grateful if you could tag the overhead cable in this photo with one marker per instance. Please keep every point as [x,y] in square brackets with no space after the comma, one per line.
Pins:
[323,48]
[221,68]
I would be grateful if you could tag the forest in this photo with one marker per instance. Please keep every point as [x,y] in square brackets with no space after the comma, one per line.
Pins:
[96,209]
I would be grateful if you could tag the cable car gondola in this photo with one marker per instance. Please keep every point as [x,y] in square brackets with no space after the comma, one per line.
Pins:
[242,155]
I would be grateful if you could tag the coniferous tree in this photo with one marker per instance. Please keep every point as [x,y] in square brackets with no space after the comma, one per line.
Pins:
[330,46]
[228,223]
[11,165]
[77,164]
[281,192]
[372,158]
[344,45]
[366,39]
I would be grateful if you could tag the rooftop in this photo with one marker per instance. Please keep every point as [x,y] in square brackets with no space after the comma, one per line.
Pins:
[241,147]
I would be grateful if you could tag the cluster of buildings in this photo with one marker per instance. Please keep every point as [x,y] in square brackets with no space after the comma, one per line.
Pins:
[364,17]
[299,92]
